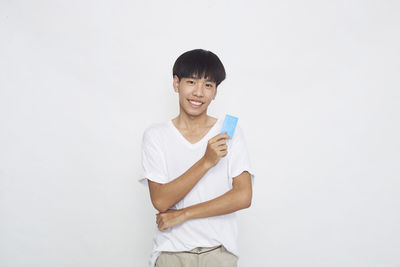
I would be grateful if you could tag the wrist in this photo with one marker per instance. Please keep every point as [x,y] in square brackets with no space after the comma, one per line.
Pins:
[185,214]
[205,164]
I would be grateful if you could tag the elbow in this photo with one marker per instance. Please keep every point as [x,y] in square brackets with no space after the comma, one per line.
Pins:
[243,198]
[247,203]
[158,199]
[160,205]
[246,199]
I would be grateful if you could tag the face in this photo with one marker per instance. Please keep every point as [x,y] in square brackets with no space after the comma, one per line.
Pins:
[195,94]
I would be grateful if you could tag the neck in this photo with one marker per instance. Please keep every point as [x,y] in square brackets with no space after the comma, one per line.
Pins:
[185,121]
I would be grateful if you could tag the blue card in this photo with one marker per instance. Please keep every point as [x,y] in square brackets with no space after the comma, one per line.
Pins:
[229,125]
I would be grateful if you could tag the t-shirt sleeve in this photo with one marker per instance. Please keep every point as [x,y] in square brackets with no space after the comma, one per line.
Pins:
[238,156]
[153,161]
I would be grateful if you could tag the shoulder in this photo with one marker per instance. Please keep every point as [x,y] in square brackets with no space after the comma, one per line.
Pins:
[238,140]
[155,131]
[238,134]
[154,128]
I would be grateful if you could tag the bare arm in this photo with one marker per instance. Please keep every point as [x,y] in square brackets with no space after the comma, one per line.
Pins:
[239,197]
[164,196]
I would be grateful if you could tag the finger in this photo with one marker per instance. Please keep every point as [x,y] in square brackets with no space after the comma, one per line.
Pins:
[220,143]
[226,135]
[162,227]
[218,137]
[223,136]
[223,148]
[223,143]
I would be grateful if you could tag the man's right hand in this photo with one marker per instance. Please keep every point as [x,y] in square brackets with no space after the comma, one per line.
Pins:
[216,149]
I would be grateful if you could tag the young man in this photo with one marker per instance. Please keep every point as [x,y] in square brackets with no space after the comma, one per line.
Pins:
[197,177]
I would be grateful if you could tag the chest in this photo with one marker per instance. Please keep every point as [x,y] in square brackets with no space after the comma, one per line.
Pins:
[194,136]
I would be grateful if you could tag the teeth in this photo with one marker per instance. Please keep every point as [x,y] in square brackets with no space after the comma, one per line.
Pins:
[195,103]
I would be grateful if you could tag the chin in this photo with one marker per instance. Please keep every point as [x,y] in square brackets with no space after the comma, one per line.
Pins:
[195,112]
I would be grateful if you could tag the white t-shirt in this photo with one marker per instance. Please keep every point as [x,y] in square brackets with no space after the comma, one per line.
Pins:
[167,154]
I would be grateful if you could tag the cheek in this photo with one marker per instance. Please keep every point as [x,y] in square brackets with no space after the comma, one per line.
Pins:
[184,93]
[210,97]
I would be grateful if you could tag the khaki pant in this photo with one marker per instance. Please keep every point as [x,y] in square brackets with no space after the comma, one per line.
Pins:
[199,257]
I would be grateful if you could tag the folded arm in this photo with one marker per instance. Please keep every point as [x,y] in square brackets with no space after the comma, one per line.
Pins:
[239,197]
[164,196]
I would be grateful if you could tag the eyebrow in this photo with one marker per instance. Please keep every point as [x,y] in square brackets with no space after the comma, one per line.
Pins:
[208,80]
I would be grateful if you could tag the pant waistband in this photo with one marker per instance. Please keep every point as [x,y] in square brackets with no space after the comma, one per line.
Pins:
[201,250]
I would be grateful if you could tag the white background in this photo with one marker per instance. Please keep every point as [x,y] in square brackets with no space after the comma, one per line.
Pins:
[315,85]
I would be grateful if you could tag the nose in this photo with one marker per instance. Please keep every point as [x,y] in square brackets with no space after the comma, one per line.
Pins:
[198,90]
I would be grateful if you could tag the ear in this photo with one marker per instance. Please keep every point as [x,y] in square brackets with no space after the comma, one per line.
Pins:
[175,83]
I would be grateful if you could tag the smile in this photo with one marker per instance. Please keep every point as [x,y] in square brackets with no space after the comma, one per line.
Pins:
[195,104]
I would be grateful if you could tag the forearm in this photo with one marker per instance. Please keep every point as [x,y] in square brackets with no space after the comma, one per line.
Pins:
[229,202]
[239,197]
[170,193]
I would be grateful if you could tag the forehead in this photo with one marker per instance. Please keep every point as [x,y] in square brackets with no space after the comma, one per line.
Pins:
[194,76]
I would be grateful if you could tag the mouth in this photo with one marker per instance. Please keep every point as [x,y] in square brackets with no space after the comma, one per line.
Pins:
[195,104]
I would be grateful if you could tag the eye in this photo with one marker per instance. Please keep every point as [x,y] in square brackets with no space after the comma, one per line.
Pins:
[190,81]
[209,85]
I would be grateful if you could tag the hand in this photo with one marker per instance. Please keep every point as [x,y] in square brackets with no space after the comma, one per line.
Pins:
[216,149]
[169,219]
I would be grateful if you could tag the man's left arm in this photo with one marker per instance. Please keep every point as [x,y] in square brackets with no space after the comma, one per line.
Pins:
[239,197]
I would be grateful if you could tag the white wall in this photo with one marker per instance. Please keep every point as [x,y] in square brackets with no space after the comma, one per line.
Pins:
[316,87]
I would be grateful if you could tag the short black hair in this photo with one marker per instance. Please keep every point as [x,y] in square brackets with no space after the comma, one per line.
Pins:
[199,63]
